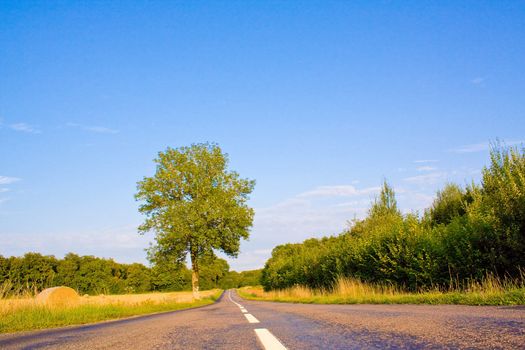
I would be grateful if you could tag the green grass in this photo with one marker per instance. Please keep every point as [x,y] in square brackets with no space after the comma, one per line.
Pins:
[515,297]
[355,292]
[41,317]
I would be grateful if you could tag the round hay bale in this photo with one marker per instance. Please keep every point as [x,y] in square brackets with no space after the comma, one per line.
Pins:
[58,296]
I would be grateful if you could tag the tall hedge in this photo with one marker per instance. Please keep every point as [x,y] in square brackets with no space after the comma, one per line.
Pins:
[464,235]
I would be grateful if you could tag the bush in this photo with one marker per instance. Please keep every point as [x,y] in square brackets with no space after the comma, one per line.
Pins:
[465,235]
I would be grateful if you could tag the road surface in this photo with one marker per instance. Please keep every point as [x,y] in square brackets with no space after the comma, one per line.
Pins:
[234,323]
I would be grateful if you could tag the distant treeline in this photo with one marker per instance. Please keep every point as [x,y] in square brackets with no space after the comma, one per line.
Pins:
[92,275]
[466,234]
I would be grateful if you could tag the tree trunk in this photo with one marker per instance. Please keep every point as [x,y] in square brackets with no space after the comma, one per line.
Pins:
[195,276]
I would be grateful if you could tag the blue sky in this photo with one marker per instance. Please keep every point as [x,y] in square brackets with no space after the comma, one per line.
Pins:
[317,101]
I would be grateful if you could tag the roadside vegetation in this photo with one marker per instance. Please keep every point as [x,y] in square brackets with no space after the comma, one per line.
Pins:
[23,312]
[490,291]
[468,247]
[33,272]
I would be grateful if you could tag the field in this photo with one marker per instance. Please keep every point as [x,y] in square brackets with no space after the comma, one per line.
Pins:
[490,291]
[24,313]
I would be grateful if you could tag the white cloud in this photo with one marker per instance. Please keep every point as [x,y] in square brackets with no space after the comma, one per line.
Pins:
[95,129]
[338,191]
[6,180]
[24,127]
[413,201]
[482,146]
[122,243]
[248,259]
[478,81]
[426,168]
[427,179]
[101,130]
[421,161]
[477,147]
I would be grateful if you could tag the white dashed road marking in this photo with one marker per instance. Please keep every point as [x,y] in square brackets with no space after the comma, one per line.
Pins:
[230,296]
[251,318]
[268,340]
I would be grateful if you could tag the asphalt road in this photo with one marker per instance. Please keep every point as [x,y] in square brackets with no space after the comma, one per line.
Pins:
[234,323]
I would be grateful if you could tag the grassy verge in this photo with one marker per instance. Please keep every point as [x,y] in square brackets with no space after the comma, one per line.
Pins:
[22,315]
[348,291]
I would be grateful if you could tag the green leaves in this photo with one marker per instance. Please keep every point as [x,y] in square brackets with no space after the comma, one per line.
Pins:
[466,234]
[194,204]
[451,202]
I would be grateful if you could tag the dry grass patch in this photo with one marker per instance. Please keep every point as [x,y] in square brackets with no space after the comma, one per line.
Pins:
[27,313]
[154,298]
[490,291]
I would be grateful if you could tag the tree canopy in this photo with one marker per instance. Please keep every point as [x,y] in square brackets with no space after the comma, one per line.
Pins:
[195,206]
[34,272]
[449,203]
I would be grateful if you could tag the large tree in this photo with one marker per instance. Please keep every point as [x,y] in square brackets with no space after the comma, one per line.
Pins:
[195,205]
